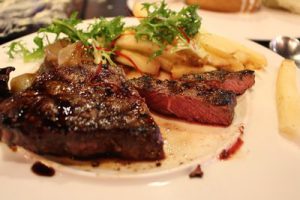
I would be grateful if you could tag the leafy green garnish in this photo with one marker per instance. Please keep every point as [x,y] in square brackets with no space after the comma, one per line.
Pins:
[67,27]
[163,26]
[100,35]
[34,54]
[106,30]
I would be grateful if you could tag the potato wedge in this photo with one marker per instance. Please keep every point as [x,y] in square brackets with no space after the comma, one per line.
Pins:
[165,64]
[288,102]
[208,49]
[129,42]
[139,61]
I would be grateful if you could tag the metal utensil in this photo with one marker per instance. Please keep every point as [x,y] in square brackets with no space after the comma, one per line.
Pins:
[287,47]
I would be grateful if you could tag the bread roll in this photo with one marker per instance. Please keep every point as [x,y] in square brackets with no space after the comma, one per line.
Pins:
[227,5]
[270,3]
[290,5]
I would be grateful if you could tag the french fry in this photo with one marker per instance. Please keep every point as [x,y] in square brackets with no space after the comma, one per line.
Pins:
[216,44]
[235,65]
[256,59]
[250,66]
[216,51]
[208,68]
[216,61]
[180,70]
[241,56]
[227,49]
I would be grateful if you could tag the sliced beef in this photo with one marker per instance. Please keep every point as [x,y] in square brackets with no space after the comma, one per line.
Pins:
[187,100]
[4,77]
[82,112]
[237,82]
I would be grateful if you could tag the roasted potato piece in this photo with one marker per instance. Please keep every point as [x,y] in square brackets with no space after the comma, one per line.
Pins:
[129,42]
[139,61]
[165,63]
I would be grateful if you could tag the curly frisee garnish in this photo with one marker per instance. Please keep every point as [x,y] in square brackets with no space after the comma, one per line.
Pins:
[163,26]
[99,35]
[19,48]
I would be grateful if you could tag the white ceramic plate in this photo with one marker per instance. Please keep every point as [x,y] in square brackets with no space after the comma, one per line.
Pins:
[262,25]
[266,167]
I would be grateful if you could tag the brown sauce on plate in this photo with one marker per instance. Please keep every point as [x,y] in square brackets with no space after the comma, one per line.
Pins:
[42,170]
[197,172]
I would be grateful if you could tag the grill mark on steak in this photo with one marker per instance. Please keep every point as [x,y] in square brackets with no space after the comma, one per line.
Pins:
[237,82]
[185,100]
[63,114]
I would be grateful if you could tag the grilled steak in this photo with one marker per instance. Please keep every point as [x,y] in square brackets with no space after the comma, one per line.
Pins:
[237,82]
[185,100]
[82,112]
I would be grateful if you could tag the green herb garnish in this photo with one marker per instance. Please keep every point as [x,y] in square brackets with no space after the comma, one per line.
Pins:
[67,27]
[100,35]
[107,30]
[19,48]
[164,26]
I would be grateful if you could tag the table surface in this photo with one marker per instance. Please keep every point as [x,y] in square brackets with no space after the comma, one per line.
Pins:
[87,9]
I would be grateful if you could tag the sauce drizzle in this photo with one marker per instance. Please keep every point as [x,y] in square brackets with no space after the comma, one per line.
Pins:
[225,154]
[42,170]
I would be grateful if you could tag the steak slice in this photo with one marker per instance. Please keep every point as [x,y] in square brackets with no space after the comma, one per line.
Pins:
[189,101]
[237,82]
[81,112]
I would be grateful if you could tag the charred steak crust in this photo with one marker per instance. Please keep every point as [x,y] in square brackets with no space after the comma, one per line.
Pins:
[187,100]
[71,112]
[237,82]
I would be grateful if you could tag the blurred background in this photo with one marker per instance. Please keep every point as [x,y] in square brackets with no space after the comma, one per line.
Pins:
[21,17]
[268,20]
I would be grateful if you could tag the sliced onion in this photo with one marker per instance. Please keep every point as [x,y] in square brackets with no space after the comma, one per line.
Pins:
[22,82]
